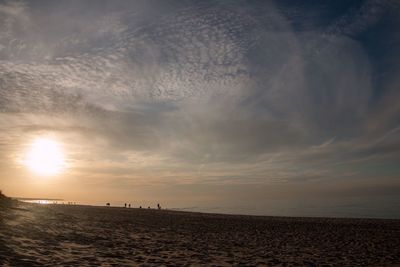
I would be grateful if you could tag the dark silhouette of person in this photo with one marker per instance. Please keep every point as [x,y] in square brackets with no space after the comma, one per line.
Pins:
[140,207]
[158,206]
[129,205]
[148,207]
[108,204]
[125,205]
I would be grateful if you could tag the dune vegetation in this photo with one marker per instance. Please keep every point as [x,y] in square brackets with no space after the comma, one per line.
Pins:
[4,200]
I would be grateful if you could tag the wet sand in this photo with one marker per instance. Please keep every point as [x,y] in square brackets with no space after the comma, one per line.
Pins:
[37,235]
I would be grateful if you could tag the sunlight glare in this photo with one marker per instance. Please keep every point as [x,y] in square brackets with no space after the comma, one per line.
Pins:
[45,157]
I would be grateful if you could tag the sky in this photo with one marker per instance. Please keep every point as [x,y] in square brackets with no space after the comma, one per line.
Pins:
[257,107]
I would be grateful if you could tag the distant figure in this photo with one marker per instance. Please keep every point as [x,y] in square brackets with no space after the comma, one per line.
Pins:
[129,205]
[108,204]
[125,205]
[158,206]
[140,207]
[148,207]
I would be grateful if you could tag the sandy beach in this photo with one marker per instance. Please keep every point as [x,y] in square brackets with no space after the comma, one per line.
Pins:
[51,235]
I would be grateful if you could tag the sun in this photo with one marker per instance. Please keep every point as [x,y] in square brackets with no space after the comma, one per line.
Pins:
[45,157]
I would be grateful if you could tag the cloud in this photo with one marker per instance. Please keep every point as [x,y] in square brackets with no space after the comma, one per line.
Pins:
[213,93]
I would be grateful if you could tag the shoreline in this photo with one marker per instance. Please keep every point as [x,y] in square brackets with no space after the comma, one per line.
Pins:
[217,213]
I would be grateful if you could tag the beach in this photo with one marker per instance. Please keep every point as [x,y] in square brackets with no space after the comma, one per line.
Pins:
[74,235]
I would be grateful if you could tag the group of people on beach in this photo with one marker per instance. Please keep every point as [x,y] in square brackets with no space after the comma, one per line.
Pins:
[128,205]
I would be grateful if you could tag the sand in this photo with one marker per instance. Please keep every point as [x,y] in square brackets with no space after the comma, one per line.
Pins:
[52,235]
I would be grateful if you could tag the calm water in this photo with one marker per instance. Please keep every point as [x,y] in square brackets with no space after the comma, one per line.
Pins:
[374,207]
[382,207]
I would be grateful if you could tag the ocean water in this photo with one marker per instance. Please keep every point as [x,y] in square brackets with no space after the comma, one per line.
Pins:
[49,201]
[385,207]
[349,207]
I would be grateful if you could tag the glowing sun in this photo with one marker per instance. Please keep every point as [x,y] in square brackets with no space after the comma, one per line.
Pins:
[45,157]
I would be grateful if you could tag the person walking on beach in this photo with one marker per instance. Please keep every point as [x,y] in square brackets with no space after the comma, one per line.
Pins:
[129,205]
[158,206]
[125,205]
